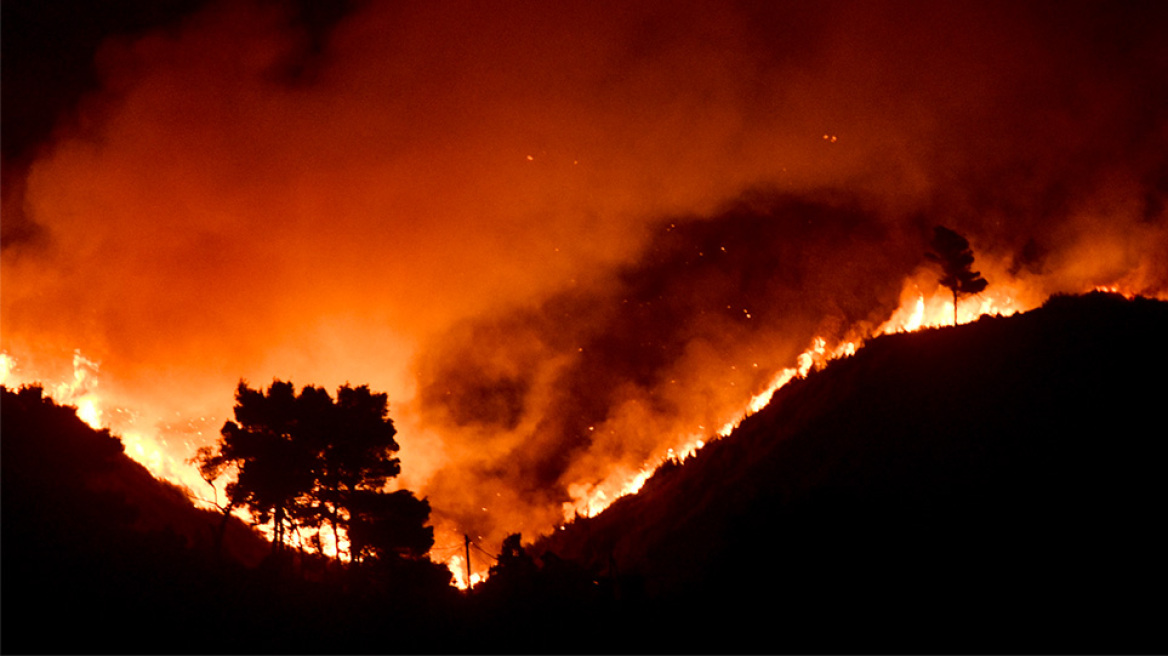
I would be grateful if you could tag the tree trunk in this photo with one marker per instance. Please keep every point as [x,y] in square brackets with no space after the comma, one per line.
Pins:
[221,533]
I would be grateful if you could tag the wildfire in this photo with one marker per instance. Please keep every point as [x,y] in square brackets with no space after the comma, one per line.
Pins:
[148,446]
[457,567]
[79,391]
[915,312]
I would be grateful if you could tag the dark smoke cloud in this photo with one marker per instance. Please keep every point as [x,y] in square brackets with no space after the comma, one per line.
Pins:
[1038,129]
[512,218]
[713,306]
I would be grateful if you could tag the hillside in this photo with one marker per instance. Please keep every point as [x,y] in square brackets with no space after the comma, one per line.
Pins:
[994,486]
[93,543]
[49,452]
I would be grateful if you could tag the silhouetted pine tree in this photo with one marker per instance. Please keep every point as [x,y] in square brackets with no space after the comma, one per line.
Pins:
[953,253]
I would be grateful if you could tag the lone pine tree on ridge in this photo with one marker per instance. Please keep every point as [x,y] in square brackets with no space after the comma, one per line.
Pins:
[953,253]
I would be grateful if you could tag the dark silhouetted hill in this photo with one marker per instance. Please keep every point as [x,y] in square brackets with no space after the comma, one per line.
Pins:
[101,557]
[991,488]
[90,534]
[995,487]
[48,448]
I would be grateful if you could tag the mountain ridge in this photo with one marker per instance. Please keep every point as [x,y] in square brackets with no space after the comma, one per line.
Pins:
[1011,453]
[992,487]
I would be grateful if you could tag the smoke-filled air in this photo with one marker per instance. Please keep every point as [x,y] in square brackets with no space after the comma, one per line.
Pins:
[568,239]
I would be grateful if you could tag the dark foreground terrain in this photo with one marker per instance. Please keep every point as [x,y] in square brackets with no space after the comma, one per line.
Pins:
[992,488]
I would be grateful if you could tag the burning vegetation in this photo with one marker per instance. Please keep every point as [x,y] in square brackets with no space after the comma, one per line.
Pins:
[946,465]
[571,246]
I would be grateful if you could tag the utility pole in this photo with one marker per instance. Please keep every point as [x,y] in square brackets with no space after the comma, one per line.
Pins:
[467,540]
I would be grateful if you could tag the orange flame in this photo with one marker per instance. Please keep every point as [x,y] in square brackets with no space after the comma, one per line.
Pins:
[914,313]
[917,310]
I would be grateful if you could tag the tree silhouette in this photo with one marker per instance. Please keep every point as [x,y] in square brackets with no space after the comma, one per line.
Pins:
[953,253]
[304,460]
[355,450]
[386,525]
[275,463]
[513,563]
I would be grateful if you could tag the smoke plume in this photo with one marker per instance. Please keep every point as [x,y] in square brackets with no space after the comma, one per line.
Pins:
[560,234]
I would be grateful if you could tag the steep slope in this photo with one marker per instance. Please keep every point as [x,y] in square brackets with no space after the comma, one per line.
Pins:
[95,547]
[993,486]
[989,488]
[48,452]
[100,557]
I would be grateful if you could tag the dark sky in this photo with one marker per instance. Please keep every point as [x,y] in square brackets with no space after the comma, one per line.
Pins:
[48,51]
[49,48]
[49,45]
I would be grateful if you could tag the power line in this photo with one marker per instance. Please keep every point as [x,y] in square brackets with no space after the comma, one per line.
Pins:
[466,542]
[489,555]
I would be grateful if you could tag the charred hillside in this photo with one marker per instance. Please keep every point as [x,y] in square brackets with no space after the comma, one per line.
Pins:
[993,486]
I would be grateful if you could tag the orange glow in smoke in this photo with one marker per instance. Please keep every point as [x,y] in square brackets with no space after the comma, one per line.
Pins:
[232,204]
[915,313]
[154,449]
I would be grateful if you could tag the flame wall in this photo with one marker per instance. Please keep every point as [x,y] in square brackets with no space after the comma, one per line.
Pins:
[559,235]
